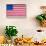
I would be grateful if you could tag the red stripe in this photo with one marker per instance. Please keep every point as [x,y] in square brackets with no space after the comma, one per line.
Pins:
[17,14]
[19,5]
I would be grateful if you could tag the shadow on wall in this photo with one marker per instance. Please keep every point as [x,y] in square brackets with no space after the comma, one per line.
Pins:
[34,22]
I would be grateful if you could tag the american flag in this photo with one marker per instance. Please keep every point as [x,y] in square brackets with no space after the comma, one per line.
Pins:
[16,10]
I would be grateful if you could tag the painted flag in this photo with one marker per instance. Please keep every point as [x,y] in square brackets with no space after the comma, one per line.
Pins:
[16,10]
